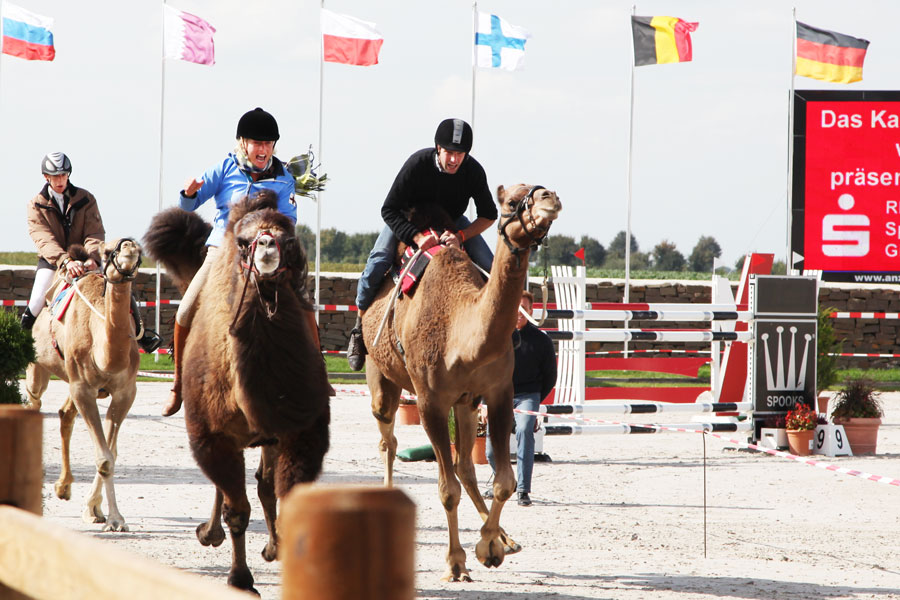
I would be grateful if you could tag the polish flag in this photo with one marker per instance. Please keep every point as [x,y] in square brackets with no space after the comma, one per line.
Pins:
[187,37]
[349,40]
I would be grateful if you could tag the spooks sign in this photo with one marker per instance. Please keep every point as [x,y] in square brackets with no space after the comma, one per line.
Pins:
[845,218]
[783,363]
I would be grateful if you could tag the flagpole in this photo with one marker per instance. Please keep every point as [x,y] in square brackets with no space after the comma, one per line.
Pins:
[162,120]
[628,183]
[788,262]
[318,197]
[471,210]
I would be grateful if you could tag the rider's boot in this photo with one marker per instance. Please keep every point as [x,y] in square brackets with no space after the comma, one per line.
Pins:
[178,339]
[27,320]
[356,350]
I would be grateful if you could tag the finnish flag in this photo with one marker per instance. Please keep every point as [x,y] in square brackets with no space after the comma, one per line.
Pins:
[499,44]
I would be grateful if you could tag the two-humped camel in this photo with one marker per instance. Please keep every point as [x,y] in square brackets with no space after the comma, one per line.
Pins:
[92,347]
[456,338]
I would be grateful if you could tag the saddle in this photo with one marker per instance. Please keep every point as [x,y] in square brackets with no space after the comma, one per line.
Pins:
[61,301]
[415,271]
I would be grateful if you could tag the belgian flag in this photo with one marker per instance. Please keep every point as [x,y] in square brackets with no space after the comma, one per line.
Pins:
[828,55]
[659,40]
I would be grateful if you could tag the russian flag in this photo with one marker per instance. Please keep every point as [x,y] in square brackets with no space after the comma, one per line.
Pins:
[26,34]
[349,40]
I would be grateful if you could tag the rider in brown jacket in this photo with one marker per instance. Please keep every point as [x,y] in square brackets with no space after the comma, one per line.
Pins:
[59,216]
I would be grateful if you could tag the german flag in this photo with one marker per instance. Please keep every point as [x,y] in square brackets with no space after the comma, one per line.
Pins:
[828,55]
[659,40]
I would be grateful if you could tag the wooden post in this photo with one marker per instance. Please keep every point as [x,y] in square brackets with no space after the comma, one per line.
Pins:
[21,467]
[347,543]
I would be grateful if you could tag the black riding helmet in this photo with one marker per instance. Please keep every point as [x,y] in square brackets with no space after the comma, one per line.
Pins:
[258,125]
[454,135]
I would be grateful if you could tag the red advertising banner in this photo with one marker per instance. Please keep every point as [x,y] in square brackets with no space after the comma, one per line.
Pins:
[847,185]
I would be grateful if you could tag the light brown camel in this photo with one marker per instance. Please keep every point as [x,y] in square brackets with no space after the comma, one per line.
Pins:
[456,338]
[92,347]
[253,373]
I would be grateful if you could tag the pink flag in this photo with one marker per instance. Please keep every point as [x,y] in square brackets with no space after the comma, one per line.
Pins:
[349,40]
[188,37]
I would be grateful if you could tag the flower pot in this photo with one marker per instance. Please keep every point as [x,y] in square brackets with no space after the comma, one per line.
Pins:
[862,433]
[800,441]
[822,402]
[479,456]
[408,414]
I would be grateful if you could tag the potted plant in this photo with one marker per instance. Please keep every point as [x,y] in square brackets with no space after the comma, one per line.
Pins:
[801,426]
[407,412]
[858,408]
[773,433]
[827,345]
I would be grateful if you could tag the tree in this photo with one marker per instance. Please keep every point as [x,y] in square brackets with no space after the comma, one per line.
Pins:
[617,245]
[594,252]
[556,250]
[16,351]
[701,258]
[666,257]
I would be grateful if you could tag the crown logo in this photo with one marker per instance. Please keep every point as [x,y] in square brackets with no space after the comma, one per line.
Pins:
[792,382]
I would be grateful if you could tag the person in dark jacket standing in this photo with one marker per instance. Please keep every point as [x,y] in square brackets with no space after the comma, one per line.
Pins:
[534,377]
[445,175]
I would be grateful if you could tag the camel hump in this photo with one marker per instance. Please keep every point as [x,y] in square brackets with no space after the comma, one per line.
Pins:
[177,239]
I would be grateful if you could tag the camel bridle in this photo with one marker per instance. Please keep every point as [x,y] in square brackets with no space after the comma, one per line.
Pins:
[537,234]
[251,272]
[112,259]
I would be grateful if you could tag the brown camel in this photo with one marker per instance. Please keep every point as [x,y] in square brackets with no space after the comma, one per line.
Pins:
[92,347]
[253,375]
[451,343]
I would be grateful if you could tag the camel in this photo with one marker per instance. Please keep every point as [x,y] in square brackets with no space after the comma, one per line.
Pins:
[92,347]
[253,375]
[451,343]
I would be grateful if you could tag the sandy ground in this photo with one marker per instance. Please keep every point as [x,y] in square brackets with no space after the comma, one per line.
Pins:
[613,517]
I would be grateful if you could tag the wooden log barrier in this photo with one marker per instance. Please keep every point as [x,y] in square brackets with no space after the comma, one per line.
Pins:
[45,561]
[21,470]
[347,543]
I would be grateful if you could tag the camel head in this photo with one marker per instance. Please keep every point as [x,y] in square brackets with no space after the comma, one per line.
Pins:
[265,237]
[526,214]
[121,260]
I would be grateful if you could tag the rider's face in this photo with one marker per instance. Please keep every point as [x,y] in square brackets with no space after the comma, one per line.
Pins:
[521,321]
[58,183]
[259,152]
[450,160]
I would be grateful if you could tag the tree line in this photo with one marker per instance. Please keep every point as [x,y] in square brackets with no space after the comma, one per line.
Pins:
[353,248]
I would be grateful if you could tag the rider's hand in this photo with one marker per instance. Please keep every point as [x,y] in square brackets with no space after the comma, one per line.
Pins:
[426,241]
[191,186]
[91,265]
[448,238]
[75,268]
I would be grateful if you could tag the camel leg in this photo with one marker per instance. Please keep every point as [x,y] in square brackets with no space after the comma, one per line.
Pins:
[500,416]
[385,401]
[85,398]
[223,463]
[67,414]
[120,403]
[466,473]
[265,489]
[36,380]
[211,533]
[434,420]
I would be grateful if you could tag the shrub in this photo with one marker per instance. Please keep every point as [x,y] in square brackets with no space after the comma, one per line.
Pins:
[16,351]
[858,398]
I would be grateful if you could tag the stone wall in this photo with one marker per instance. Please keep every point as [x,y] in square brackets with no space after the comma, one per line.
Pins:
[861,336]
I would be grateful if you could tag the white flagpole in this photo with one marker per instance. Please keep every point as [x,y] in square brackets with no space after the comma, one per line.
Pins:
[628,183]
[162,120]
[318,196]
[788,257]
[474,70]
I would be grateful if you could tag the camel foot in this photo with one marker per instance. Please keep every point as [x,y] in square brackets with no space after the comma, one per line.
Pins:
[490,552]
[270,552]
[242,580]
[93,514]
[63,490]
[211,535]
[510,546]
[173,406]
[457,573]
[116,525]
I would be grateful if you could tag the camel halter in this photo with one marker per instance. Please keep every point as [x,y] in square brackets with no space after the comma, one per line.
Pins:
[524,207]
[248,254]
[127,275]
[250,271]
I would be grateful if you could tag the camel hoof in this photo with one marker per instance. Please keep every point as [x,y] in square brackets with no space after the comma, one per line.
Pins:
[93,514]
[270,552]
[210,536]
[490,552]
[63,491]
[516,547]
[116,526]
[242,580]
[456,574]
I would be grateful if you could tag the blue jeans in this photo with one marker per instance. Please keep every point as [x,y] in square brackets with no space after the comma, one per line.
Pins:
[524,440]
[385,250]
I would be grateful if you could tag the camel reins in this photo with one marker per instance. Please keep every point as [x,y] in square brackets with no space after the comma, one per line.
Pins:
[524,207]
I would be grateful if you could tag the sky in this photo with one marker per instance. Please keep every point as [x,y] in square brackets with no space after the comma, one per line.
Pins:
[709,152]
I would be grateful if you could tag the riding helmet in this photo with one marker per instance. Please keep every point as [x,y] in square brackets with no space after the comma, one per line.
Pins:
[258,125]
[56,163]
[454,135]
